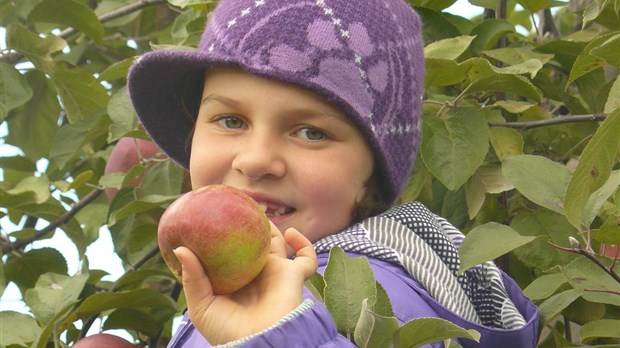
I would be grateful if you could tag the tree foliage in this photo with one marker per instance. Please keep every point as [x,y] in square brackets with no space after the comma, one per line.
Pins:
[520,149]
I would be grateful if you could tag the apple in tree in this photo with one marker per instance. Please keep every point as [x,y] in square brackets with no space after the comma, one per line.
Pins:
[127,153]
[226,229]
[103,340]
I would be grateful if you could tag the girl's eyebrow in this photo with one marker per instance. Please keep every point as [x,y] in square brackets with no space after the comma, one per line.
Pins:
[302,112]
[221,99]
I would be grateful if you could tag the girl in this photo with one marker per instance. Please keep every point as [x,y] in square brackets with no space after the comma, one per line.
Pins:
[312,108]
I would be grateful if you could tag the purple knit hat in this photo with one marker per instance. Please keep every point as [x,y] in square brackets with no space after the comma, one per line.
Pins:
[366,56]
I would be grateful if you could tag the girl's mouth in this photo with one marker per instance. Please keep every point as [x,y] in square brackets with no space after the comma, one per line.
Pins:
[273,211]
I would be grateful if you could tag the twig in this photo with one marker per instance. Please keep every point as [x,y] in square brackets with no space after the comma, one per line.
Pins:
[56,223]
[551,122]
[14,57]
[591,257]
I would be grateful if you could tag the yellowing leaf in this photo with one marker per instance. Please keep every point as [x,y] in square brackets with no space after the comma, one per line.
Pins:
[450,48]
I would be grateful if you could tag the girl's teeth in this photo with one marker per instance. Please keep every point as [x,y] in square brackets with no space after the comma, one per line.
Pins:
[263,206]
[277,212]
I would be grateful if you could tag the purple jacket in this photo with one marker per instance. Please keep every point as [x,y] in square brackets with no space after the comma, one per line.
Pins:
[314,327]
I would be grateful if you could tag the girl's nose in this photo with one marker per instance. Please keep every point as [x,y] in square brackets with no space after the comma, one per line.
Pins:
[259,157]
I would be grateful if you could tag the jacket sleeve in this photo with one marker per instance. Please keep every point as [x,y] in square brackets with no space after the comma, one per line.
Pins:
[310,325]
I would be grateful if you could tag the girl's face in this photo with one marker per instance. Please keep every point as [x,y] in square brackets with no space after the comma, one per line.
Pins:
[286,147]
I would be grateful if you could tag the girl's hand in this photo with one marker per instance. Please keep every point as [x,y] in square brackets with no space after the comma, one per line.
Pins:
[274,293]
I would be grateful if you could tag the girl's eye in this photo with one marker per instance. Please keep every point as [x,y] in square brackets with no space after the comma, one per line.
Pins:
[231,122]
[312,134]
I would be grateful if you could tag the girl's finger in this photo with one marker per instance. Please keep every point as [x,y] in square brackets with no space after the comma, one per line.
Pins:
[278,245]
[196,285]
[305,256]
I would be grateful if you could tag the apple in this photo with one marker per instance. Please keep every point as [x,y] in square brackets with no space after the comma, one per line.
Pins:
[611,251]
[225,228]
[103,340]
[127,153]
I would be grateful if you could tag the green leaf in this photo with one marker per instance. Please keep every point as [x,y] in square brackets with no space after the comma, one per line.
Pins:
[555,304]
[517,55]
[382,305]
[609,232]
[132,319]
[583,274]
[18,93]
[136,278]
[53,293]
[444,72]
[316,286]
[348,281]
[164,178]
[70,13]
[534,6]
[185,3]
[609,51]
[488,32]
[418,332]
[599,197]
[138,206]
[613,99]
[487,179]
[116,70]
[374,330]
[480,244]
[514,106]
[24,270]
[544,286]
[450,48]
[600,328]
[506,142]
[81,94]
[122,114]
[454,145]
[39,186]
[22,40]
[593,170]
[539,255]
[70,138]
[436,25]
[508,83]
[587,62]
[539,179]
[138,298]
[18,329]
[37,119]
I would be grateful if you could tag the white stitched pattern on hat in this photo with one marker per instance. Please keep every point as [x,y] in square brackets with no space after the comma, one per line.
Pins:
[345,34]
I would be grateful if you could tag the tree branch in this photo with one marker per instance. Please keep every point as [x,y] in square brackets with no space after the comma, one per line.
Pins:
[15,57]
[88,323]
[550,122]
[54,224]
[576,249]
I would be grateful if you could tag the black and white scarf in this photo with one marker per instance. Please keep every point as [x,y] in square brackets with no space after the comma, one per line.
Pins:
[426,246]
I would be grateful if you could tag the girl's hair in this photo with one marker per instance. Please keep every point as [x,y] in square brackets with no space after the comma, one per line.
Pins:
[375,199]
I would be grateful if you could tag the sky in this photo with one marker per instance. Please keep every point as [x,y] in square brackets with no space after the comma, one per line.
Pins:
[101,253]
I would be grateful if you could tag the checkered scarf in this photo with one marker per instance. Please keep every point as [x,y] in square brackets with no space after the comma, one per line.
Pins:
[426,246]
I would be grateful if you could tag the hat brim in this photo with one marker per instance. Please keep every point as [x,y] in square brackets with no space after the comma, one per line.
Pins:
[165,88]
